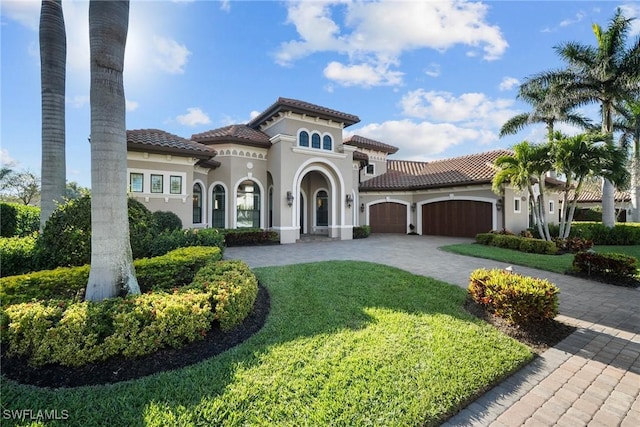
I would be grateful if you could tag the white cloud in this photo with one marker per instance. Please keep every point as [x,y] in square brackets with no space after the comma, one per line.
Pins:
[570,21]
[420,140]
[433,70]
[78,101]
[471,109]
[169,55]
[364,75]
[195,116]
[6,160]
[378,33]
[632,10]
[225,5]
[508,83]
[26,12]
[131,105]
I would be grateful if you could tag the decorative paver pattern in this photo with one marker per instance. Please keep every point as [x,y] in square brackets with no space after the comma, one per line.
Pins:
[592,378]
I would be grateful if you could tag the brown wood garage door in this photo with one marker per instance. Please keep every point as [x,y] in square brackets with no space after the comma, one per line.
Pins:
[459,218]
[388,217]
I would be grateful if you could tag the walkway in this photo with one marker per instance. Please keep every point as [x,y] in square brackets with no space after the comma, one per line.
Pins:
[590,378]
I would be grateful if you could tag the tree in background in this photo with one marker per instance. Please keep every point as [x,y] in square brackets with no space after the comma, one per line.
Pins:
[23,186]
[112,271]
[606,74]
[628,123]
[53,57]
[75,191]
[525,170]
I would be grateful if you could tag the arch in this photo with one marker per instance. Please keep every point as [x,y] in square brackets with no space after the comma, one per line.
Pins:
[389,200]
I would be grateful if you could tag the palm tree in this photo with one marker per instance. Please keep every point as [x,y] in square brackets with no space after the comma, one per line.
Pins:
[53,57]
[549,106]
[629,124]
[112,271]
[581,157]
[525,169]
[606,74]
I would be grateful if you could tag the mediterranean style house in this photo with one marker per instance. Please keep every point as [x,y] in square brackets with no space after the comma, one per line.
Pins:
[291,170]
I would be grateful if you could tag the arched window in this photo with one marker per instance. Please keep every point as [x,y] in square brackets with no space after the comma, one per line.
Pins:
[218,211]
[315,140]
[197,204]
[248,201]
[322,209]
[304,139]
[326,142]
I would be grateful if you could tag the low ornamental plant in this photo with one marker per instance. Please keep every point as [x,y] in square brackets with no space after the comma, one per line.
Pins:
[361,232]
[250,237]
[517,243]
[519,299]
[74,333]
[605,265]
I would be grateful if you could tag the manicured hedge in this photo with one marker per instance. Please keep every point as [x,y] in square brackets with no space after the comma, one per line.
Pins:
[605,265]
[361,232]
[74,333]
[523,244]
[518,299]
[174,269]
[627,233]
[169,240]
[18,220]
[17,255]
[252,236]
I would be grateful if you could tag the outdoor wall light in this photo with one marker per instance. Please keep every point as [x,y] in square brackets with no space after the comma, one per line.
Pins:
[413,207]
[361,207]
[349,200]
[499,204]
[289,198]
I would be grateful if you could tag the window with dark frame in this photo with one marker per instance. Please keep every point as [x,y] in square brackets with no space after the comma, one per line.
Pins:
[304,139]
[156,183]
[315,140]
[136,182]
[175,184]
[326,142]
[371,169]
[197,204]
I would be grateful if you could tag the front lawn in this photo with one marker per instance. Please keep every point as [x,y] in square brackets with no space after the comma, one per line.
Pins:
[345,343]
[555,263]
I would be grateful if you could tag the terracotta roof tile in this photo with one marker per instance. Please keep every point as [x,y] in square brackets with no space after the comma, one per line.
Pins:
[410,175]
[241,134]
[371,144]
[159,140]
[359,155]
[592,193]
[302,107]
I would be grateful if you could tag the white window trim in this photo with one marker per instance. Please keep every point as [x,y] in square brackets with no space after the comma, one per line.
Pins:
[366,169]
[146,183]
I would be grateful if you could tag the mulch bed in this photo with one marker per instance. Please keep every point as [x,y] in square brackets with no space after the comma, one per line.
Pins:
[121,369]
[116,369]
[540,336]
[627,282]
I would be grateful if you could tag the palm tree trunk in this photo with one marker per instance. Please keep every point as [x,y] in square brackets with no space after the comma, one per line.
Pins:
[635,183]
[53,57]
[112,271]
[608,190]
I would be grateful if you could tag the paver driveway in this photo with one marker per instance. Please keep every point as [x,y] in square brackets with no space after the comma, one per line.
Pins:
[590,378]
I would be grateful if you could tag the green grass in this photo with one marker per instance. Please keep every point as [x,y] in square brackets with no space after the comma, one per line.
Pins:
[345,343]
[555,263]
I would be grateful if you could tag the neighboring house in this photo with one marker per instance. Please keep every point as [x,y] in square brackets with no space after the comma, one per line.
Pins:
[591,197]
[291,170]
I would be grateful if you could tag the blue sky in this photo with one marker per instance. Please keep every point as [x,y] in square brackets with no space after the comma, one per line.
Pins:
[435,78]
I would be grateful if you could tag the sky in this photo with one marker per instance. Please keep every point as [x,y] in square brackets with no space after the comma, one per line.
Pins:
[437,79]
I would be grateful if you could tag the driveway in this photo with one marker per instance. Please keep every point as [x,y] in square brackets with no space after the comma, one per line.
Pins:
[590,378]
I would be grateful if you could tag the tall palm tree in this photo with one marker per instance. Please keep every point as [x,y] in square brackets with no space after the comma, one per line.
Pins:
[606,74]
[581,157]
[525,169]
[112,271]
[53,57]
[549,107]
[628,123]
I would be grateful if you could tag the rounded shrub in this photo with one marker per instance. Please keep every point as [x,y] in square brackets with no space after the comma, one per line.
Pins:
[166,221]
[66,238]
[18,220]
[17,254]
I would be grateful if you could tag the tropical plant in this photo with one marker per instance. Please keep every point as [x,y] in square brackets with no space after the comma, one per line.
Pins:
[580,157]
[606,74]
[53,57]
[628,122]
[526,170]
[112,271]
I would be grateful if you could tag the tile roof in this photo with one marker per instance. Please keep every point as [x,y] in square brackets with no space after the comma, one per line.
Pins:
[592,193]
[302,107]
[359,155]
[411,175]
[160,141]
[239,134]
[362,142]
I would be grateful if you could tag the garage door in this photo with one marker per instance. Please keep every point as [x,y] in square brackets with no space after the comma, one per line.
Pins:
[388,218]
[459,218]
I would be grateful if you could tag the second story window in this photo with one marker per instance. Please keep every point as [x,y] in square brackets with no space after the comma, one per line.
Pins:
[304,139]
[326,142]
[315,140]
[371,169]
